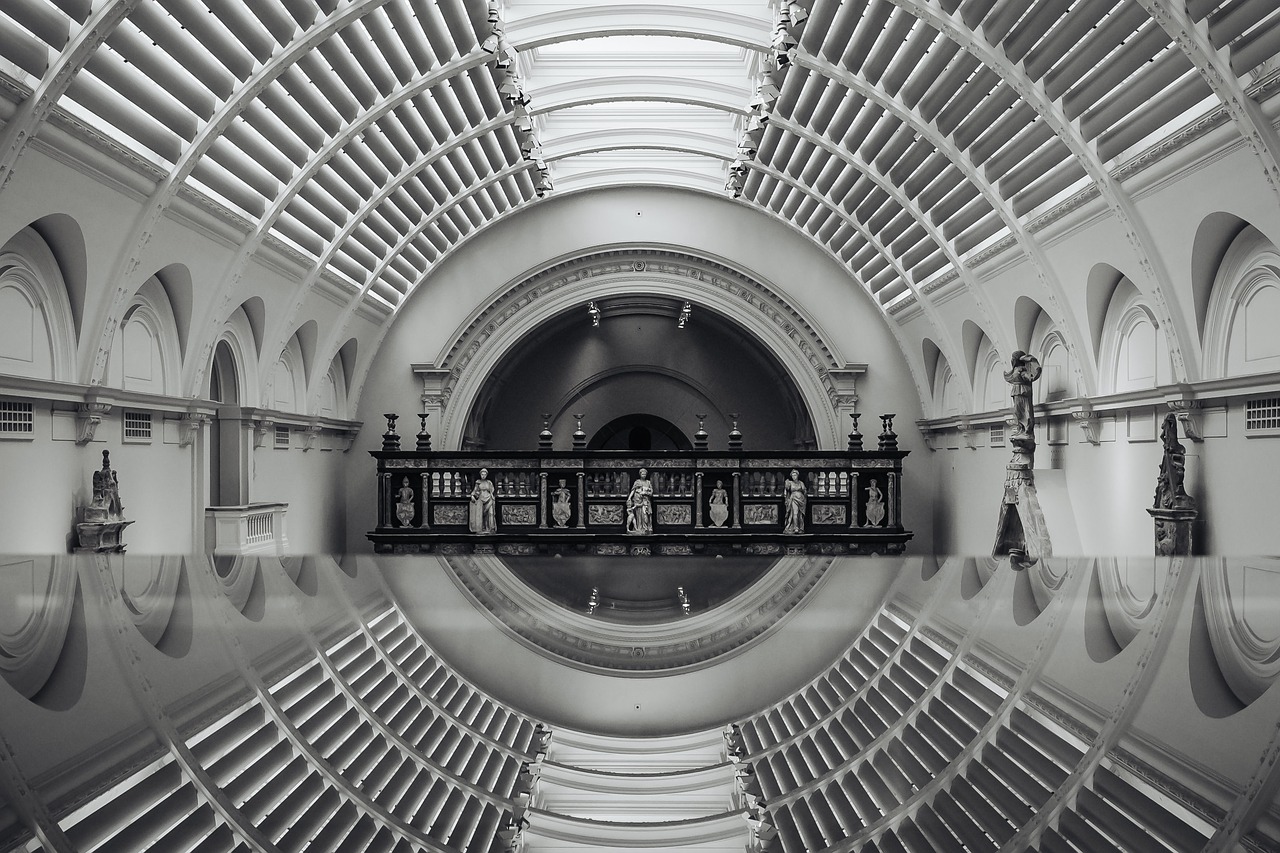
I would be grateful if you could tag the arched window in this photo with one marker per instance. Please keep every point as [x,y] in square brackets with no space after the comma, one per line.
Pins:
[1134,352]
[37,337]
[946,393]
[286,381]
[145,354]
[1244,310]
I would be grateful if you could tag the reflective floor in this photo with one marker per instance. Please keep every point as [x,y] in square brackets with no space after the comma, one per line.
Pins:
[882,703]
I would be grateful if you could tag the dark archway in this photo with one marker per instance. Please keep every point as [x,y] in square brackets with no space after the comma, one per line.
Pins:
[639,431]
[639,371]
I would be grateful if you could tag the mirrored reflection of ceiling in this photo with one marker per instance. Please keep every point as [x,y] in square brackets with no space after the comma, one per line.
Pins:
[369,138]
[638,589]
[637,625]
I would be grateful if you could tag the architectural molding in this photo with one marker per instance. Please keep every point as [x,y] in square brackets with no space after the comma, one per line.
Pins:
[686,643]
[792,338]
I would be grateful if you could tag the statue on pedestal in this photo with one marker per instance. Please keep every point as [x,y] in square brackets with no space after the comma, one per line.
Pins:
[719,505]
[796,498]
[404,503]
[875,504]
[1021,532]
[482,517]
[561,505]
[640,505]
[102,521]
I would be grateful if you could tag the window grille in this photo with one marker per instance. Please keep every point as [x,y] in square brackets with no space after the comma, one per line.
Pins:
[17,419]
[282,438]
[996,438]
[137,426]
[1262,414]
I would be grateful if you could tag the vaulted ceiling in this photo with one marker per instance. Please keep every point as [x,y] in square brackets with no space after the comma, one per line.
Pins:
[370,137]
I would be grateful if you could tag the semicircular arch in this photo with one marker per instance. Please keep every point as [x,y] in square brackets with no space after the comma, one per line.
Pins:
[794,340]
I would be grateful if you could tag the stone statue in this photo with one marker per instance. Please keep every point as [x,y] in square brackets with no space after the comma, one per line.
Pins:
[103,521]
[482,518]
[1024,370]
[719,505]
[795,499]
[106,505]
[1170,493]
[1174,511]
[640,505]
[875,504]
[1021,532]
[404,503]
[561,505]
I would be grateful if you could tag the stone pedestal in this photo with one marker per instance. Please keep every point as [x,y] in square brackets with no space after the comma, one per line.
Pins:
[1173,530]
[1021,532]
[100,535]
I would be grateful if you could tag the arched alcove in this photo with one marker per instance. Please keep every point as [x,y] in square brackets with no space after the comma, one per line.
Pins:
[146,352]
[37,329]
[1243,309]
[639,432]
[1134,352]
[1214,237]
[65,239]
[639,363]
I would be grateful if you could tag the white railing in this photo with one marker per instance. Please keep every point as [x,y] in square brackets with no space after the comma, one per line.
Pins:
[256,528]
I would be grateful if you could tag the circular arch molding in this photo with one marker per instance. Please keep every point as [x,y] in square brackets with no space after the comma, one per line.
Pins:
[796,342]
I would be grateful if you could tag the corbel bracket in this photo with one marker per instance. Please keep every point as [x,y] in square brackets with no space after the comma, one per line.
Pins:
[89,414]
[1187,412]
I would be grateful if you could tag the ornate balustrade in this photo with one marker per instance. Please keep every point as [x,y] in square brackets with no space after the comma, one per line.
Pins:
[684,502]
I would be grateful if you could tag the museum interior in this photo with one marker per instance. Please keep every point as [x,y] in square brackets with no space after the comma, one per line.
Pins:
[484,426]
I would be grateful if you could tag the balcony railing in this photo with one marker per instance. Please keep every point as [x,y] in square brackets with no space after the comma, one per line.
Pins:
[692,502]
[256,528]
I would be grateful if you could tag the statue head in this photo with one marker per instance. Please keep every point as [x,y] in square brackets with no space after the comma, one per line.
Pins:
[484,472]
[795,474]
[644,472]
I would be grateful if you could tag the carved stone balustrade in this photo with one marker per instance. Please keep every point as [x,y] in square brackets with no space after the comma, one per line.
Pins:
[256,528]
[701,502]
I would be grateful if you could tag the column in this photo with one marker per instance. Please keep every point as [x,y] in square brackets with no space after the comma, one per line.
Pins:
[737,498]
[426,508]
[697,500]
[384,493]
[542,500]
[853,498]
[895,509]
[582,500]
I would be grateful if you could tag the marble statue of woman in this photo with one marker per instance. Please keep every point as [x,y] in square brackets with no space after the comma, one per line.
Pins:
[719,508]
[481,518]
[875,504]
[640,505]
[795,500]
[561,508]
[404,503]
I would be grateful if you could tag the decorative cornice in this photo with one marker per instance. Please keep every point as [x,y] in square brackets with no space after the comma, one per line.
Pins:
[650,261]
[686,642]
